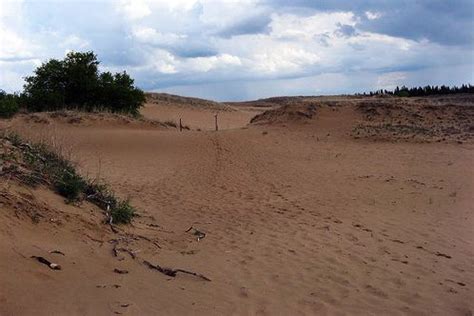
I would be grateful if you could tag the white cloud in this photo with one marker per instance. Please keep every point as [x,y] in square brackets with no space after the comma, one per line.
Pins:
[12,44]
[284,60]
[306,28]
[162,61]
[74,42]
[206,64]
[391,80]
[371,15]
[149,35]
[134,9]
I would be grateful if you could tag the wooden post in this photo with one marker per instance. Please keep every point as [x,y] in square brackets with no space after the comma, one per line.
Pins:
[217,127]
[180,125]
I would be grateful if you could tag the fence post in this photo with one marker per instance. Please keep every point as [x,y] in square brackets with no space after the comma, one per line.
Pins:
[217,127]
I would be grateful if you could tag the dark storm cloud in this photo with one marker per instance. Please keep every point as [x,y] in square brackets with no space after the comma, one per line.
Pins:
[444,22]
[253,25]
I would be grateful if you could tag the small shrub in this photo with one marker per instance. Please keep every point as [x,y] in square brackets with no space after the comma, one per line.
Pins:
[70,185]
[100,195]
[122,213]
[8,107]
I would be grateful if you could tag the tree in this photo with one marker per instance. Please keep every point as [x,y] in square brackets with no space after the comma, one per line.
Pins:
[45,90]
[81,76]
[425,91]
[118,93]
[75,82]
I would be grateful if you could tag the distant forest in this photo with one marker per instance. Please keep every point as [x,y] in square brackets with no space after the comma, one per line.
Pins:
[422,91]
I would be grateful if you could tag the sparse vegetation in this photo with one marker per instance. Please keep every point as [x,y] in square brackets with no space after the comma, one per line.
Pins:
[34,164]
[70,185]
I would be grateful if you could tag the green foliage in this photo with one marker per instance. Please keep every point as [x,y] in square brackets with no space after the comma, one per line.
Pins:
[8,105]
[75,83]
[122,213]
[101,195]
[45,90]
[81,76]
[70,185]
[117,92]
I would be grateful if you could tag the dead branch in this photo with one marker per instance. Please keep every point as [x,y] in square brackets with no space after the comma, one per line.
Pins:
[172,272]
[113,228]
[94,239]
[147,239]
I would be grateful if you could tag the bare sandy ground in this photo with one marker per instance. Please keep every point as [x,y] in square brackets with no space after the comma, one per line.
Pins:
[300,218]
[197,118]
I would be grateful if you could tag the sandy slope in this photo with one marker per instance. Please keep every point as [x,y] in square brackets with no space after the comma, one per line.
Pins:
[300,218]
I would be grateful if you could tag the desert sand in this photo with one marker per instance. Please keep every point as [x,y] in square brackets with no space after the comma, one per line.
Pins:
[319,207]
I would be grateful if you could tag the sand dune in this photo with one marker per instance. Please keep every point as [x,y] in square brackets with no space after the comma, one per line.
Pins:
[300,216]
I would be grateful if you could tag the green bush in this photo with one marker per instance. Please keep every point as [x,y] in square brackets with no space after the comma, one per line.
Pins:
[70,185]
[122,213]
[8,105]
[75,83]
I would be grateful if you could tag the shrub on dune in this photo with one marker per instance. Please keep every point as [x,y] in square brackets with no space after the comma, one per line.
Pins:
[75,83]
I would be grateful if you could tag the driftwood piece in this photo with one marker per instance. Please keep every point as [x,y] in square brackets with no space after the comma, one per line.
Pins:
[45,261]
[172,272]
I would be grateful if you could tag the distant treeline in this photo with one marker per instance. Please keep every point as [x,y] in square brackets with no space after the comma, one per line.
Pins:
[423,91]
[74,83]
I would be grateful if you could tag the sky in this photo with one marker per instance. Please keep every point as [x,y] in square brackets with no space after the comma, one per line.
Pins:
[247,49]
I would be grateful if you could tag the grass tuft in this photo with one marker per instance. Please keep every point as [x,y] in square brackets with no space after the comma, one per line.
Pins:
[123,212]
